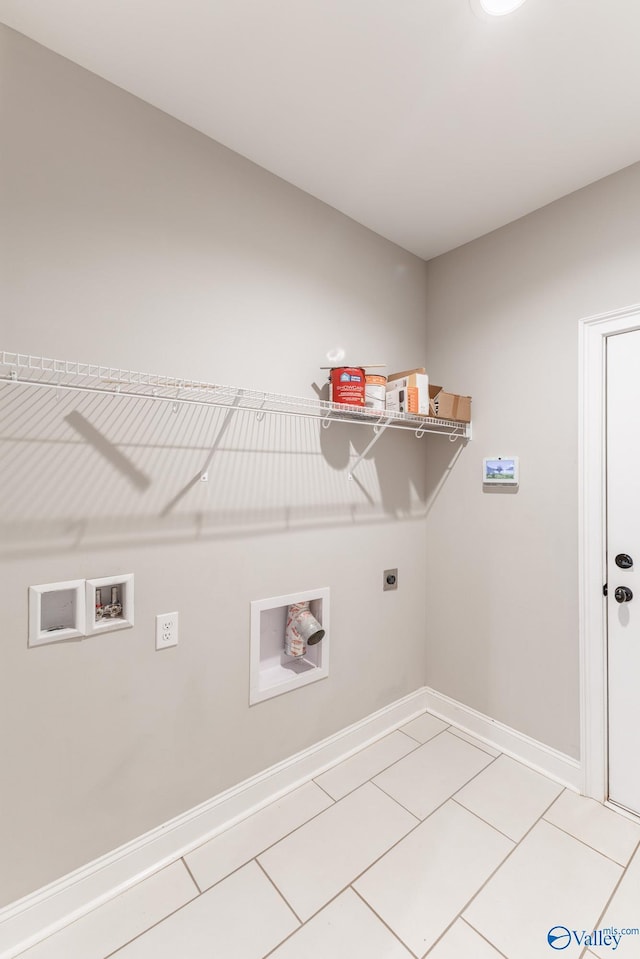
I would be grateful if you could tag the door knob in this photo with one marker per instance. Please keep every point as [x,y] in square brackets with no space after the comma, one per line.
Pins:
[623,594]
[624,561]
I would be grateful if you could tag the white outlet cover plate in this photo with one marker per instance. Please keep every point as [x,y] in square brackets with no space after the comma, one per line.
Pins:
[166,630]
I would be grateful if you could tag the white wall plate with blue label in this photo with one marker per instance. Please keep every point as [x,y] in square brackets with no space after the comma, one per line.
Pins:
[500,471]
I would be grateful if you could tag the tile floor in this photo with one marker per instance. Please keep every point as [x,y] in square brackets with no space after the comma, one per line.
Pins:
[426,843]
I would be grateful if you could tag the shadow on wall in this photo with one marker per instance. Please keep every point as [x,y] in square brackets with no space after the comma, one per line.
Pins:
[91,470]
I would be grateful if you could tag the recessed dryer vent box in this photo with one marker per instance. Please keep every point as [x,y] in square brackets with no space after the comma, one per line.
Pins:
[56,612]
[272,671]
[109,603]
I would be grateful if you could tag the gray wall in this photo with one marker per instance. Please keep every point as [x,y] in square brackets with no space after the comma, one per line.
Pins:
[129,239]
[502,576]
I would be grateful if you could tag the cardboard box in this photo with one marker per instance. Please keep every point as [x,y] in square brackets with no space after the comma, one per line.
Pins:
[409,394]
[400,376]
[414,380]
[449,406]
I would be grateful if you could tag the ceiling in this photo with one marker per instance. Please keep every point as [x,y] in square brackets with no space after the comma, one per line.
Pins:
[418,118]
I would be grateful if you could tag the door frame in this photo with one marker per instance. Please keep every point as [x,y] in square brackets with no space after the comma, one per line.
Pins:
[593,333]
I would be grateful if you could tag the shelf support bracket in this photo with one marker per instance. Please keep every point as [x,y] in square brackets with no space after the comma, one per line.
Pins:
[379,429]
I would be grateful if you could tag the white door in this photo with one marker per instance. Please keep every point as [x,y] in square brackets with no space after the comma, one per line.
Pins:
[623,579]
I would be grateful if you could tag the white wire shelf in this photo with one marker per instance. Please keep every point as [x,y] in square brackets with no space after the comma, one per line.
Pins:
[21,369]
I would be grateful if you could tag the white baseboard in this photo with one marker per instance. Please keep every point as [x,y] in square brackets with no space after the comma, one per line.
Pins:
[47,910]
[556,765]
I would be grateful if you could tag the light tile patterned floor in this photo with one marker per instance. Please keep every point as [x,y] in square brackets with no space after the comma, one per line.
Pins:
[425,843]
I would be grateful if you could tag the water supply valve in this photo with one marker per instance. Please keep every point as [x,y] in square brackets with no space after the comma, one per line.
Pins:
[109,610]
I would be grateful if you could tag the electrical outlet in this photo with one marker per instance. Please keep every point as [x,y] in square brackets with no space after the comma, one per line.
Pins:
[166,630]
[390,579]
